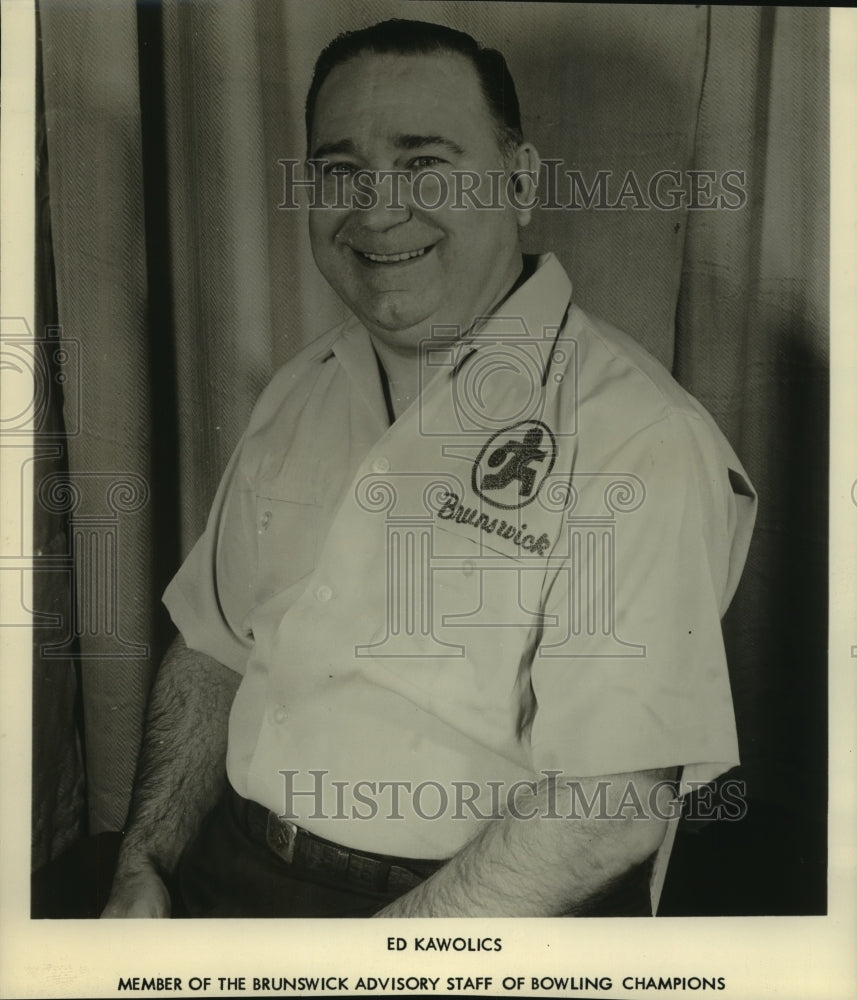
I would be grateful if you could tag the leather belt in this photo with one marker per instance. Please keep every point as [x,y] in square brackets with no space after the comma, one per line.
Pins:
[314,857]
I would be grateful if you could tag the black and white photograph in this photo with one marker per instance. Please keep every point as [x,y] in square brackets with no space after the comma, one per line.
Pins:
[418,499]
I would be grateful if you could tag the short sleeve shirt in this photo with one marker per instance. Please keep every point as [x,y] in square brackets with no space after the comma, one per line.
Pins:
[524,574]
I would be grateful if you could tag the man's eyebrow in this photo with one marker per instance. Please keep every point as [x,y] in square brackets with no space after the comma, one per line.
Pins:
[405,140]
[411,141]
[340,146]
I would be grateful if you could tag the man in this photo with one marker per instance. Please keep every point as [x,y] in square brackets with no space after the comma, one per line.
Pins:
[445,676]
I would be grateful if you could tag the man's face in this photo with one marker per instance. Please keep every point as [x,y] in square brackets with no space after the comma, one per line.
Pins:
[403,266]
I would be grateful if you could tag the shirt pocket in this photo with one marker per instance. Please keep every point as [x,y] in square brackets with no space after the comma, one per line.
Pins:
[288,540]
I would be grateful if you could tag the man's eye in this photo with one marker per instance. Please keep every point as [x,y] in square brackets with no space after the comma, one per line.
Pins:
[340,169]
[425,162]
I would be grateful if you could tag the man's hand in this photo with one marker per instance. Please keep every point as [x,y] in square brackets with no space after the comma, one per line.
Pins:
[180,776]
[535,863]
[142,894]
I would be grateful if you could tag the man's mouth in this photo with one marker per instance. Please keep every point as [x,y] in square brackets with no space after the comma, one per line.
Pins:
[392,258]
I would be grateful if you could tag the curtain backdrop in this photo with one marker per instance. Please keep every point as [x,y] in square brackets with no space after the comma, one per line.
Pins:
[185,284]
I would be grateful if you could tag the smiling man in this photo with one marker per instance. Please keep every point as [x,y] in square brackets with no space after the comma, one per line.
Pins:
[453,628]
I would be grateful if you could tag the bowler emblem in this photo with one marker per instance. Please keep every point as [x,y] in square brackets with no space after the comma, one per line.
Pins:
[513,464]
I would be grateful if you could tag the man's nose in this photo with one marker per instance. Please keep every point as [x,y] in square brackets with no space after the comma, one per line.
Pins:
[380,199]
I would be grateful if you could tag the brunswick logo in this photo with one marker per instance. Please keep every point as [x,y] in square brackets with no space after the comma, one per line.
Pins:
[514,463]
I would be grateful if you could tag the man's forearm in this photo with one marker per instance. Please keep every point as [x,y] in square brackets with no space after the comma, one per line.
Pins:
[182,762]
[540,866]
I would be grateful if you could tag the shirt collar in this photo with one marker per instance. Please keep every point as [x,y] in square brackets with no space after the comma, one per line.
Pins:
[354,351]
[531,316]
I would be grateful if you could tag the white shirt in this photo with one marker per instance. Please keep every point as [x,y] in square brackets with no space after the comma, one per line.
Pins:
[524,573]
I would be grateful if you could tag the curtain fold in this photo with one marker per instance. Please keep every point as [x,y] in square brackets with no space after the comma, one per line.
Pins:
[92,121]
[752,346]
[218,238]
[57,776]
[186,284]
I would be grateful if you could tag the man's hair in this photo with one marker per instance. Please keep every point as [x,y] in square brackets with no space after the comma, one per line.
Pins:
[402,37]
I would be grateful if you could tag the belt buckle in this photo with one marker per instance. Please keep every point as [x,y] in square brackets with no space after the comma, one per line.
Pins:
[281,836]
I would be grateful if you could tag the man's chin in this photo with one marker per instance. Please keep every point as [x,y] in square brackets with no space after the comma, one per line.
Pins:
[399,321]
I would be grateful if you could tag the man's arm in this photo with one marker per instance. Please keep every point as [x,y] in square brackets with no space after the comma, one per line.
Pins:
[547,865]
[181,774]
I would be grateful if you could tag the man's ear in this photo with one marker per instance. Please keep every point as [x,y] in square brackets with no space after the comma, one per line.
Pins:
[524,166]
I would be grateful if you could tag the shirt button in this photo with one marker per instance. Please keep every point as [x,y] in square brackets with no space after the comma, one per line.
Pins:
[266,520]
[324,593]
[381,464]
[468,567]
[280,716]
